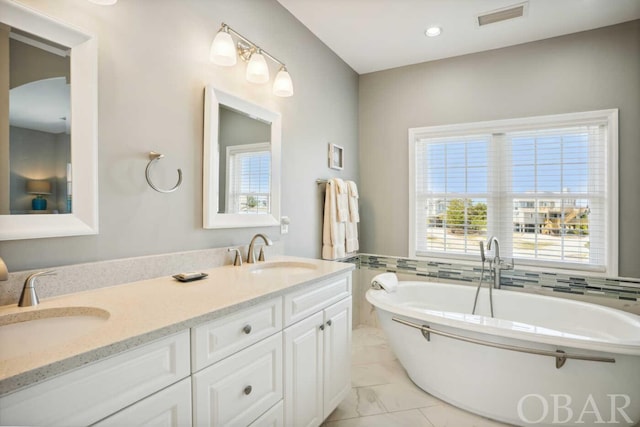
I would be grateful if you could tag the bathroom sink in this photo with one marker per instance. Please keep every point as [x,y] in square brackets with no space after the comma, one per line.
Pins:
[37,330]
[283,267]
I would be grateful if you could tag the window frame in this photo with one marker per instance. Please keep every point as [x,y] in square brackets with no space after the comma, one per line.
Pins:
[503,126]
[232,197]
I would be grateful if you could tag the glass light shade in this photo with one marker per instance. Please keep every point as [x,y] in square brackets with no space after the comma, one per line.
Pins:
[282,85]
[257,69]
[223,50]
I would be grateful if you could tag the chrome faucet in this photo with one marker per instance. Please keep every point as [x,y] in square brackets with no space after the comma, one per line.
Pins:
[251,254]
[29,297]
[4,271]
[498,263]
[493,241]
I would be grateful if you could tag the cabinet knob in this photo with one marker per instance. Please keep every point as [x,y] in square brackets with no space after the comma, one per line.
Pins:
[247,329]
[329,322]
[322,327]
[247,390]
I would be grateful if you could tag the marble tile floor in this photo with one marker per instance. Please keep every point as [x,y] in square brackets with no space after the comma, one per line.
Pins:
[382,394]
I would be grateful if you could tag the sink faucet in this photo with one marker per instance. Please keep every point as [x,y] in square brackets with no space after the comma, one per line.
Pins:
[4,271]
[251,254]
[29,297]
[498,263]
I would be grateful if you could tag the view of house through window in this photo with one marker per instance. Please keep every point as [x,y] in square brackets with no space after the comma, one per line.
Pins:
[249,178]
[543,191]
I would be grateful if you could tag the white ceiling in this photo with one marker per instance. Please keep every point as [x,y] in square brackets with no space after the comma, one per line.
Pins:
[373,35]
[42,105]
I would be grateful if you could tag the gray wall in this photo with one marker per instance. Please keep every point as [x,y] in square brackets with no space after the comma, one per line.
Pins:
[153,67]
[593,70]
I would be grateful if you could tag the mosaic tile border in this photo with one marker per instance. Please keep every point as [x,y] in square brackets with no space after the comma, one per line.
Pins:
[615,288]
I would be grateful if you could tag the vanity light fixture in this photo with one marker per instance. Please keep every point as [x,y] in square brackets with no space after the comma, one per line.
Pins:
[433,31]
[224,52]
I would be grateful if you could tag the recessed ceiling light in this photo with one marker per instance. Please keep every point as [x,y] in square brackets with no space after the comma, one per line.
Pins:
[433,31]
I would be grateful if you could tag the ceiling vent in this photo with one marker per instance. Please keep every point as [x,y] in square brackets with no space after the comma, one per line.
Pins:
[511,12]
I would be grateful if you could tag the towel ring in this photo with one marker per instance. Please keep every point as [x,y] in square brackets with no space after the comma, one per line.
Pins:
[153,157]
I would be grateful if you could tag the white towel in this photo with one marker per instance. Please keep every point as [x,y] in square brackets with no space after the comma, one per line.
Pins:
[333,231]
[354,214]
[352,244]
[386,281]
[342,199]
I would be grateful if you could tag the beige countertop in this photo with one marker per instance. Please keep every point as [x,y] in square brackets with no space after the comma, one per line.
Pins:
[143,311]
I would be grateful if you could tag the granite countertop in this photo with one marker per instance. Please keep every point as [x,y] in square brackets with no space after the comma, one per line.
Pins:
[146,310]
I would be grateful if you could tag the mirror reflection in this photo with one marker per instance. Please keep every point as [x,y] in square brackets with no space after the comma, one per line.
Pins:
[241,163]
[245,163]
[38,166]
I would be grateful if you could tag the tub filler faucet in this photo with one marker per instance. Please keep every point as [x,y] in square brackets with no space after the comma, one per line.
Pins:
[497,264]
[495,267]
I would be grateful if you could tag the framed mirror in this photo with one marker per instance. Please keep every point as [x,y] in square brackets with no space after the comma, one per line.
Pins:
[241,168]
[48,126]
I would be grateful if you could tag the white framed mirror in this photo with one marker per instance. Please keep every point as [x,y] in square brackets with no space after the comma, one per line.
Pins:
[241,163]
[67,174]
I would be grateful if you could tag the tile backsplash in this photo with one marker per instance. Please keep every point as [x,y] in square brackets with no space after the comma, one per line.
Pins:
[617,288]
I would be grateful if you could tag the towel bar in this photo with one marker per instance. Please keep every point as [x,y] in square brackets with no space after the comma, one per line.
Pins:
[560,356]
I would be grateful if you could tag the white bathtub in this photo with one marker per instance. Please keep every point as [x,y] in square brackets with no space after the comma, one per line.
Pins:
[507,385]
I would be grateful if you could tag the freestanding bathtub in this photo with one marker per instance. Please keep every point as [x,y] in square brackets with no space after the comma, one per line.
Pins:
[540,361]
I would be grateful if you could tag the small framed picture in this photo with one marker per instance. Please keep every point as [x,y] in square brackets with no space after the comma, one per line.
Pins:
[336,157]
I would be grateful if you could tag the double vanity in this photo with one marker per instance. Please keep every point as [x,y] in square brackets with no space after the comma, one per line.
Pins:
[262,344]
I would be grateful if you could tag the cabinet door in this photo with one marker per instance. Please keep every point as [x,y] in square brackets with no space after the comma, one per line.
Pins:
[337,354]
[170,407]
[303,372]
[238,389]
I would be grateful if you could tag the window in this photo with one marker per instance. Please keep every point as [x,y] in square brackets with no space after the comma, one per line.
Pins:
[545,186]
[249,178]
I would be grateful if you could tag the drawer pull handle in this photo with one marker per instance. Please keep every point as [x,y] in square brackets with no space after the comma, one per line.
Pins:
[322,327]
[329,322]
[247,390]
[247,329]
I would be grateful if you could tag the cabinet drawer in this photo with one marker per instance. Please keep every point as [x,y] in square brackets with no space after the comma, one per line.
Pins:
[170,407]
[298,305]
[103,387]
[222,337]
[274,417]
[238,389]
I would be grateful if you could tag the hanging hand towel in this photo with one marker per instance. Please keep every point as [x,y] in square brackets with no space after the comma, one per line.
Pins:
[342,199]
[352,244]
[333,231]
[354,214]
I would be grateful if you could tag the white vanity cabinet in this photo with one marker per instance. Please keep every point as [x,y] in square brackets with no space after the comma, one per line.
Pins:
[91,393]
[282,362]
[317,355]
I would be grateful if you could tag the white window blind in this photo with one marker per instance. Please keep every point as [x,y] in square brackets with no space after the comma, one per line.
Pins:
[546,187]
[451,193]
[249,178]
